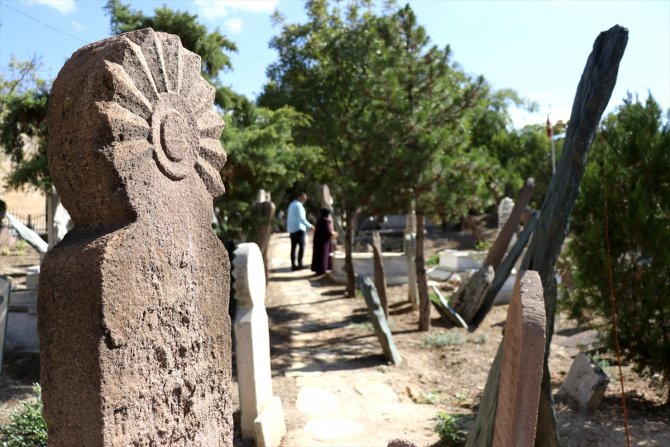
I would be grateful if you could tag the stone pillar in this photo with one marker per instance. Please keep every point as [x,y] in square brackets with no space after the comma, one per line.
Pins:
[410,252]
[261,414]
[522,361]
[133,303]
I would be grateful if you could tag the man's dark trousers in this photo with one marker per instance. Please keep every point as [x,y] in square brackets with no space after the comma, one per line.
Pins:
[297,238]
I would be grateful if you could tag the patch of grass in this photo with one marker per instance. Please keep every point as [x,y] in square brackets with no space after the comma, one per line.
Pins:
[450,428]
[432,398]
[478,339]
[27,427]
[445,339]
[20,247]
[433,259]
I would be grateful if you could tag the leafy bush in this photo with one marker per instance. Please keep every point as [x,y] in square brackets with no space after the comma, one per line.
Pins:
[451,428]
[27,427]
[635,147]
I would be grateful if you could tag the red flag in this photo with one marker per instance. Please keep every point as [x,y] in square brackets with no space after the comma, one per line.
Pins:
[550,131]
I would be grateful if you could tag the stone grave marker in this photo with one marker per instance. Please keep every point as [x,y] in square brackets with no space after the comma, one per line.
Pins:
[410,252]
[133,303]
[522,361]
[261,231]
[380,274]
[261,413]
[378,319]
[5,290]
[504,211]
[585,384]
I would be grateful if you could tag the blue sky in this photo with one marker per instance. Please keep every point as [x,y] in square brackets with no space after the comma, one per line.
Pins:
[537,48]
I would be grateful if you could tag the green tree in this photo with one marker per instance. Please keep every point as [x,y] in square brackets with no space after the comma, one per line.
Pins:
[324,71]
[23,105]
[421,101]
[630,165]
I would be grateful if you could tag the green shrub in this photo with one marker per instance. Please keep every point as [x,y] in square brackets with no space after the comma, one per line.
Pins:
[27,427]
[433,259]
[635,146]
[445,339]
[451,428]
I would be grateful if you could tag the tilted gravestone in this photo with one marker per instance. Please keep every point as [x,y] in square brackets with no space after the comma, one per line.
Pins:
[133,303]
[261,228]
[380,273]
[522,361]
[378,319]
[261,413]
[585,384]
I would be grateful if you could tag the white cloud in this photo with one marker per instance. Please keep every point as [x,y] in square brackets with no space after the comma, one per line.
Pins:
[77,24]
[62,6]
[234,25]
[217,9]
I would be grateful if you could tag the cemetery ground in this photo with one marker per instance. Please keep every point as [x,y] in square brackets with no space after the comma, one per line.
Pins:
[337,389]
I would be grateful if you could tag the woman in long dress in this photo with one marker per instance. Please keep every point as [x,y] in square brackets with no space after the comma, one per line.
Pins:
[323,243]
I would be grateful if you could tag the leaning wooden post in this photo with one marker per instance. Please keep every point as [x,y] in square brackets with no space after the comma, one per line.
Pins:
[593,93]
[133,303]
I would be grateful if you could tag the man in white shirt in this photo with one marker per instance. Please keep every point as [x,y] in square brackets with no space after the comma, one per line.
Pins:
[297,224]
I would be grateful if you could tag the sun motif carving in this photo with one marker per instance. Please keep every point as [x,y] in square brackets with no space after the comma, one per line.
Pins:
[162,104]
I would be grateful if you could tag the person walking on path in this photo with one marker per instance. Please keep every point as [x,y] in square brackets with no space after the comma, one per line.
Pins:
[297,224]
[323,243]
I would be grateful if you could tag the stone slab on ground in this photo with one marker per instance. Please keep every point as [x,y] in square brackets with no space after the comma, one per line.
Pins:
[585,384]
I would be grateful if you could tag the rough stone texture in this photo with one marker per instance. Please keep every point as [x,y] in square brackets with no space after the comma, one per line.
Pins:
[259,413]
[522,360]
[504,211]
[585,384]
[264,214]
[378,319]
[133,306]
[380,274]
[469,297]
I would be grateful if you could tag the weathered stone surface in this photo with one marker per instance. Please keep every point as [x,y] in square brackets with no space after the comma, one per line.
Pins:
[259,414]
[469,297]
[5,290]
[378,319]
[133,306]
[380,274]
[522,360]
[504,211]
[585,384]
[261,231]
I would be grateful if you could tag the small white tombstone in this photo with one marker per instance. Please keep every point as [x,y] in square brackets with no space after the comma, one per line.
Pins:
[262,416]
[504,210]
[585,385]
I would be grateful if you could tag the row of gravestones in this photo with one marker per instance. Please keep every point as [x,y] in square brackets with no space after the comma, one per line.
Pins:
[133,317]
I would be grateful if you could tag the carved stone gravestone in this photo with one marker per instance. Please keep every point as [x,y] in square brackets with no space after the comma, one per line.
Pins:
[380,274]
[261,413]
[504,210]
[522,361]
[378,319]
[261,228]
[133,303]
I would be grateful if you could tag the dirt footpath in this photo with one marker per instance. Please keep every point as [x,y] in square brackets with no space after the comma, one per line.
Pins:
[338,390]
